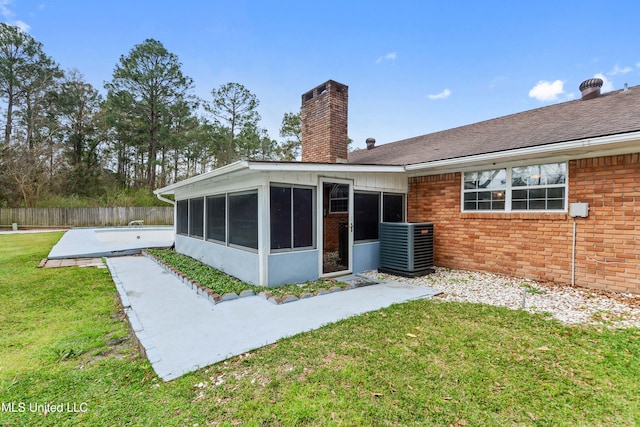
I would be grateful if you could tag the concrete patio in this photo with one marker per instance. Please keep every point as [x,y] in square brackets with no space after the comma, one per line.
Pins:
[182,331]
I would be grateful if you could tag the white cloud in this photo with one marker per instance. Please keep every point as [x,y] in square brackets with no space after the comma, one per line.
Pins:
[4,9]
[442,95]
[618,70]
[547,91]
[495,82]
[8,15]
[391,56]
[607,84]
[24,27]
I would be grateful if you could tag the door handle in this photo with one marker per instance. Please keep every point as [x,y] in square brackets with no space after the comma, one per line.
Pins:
[351,227]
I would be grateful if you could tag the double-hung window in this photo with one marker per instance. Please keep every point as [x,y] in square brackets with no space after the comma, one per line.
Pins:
[540,187]
[485,190]
[339,199]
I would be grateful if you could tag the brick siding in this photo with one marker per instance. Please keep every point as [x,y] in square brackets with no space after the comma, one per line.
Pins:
[539,245]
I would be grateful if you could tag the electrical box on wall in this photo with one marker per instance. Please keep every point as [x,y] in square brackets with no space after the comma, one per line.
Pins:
[579,210]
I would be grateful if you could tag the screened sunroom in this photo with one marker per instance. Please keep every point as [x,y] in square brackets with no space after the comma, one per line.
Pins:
[274,223]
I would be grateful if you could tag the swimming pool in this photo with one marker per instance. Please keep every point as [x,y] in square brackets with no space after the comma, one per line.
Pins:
[111,241]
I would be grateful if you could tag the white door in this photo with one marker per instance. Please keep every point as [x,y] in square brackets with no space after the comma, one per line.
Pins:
[335,226]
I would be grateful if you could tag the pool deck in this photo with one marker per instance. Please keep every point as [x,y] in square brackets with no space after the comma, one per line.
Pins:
[84,243]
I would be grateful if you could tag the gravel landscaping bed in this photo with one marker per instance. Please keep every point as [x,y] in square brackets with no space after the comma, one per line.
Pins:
[566,303]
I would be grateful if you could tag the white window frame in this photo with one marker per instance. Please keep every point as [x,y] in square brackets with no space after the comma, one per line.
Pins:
[331,198]
[509,188]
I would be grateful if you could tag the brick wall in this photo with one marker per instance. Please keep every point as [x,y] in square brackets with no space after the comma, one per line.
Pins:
[331,226]
[324,117]
[539,245]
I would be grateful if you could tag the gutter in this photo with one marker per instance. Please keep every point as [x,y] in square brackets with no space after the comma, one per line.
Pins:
[557,148]
[164,199]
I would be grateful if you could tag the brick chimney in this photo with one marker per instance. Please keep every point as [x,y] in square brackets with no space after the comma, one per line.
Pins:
[324,123]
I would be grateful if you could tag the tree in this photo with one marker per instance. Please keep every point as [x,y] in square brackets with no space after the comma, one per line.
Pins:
[153,78]
[78,107]
[256,144]
[234,107]
[291,129]
[24,70]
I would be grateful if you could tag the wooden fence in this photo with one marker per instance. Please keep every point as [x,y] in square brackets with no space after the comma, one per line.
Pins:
[85,217]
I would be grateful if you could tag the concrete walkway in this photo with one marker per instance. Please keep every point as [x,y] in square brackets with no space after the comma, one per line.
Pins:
[182,331]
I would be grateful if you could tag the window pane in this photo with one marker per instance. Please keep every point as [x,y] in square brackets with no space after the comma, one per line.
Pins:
[536,204]
[470,196]
[555,193]
[216,217]
[554,173]
[484,195]
[366,215]
[303,217]
[470,206]
[243,219]
[548,174]
[182,220]
[538,193]
[519,194]
[555,204]
[518,205]
[280,217]
[393,208]
[339,205]
[196,217]
[496,178]
[339,198]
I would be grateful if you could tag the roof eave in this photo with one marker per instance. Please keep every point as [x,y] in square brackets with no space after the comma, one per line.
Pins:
[280,166]
[587,147]
[227,169]
[323,167]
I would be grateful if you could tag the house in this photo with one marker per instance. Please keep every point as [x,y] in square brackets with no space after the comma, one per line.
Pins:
[549,194]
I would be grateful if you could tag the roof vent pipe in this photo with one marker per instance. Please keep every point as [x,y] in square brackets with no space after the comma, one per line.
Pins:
[371,143]
[591,88]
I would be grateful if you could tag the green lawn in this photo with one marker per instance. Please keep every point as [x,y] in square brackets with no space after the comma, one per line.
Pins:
[63,341]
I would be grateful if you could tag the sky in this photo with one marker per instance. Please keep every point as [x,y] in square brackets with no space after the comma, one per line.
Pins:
[412,67]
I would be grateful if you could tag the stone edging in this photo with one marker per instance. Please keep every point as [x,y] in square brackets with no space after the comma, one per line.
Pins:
[215,298]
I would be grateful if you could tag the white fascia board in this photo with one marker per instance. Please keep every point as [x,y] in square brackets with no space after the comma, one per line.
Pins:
[323,167]
[590,147]
[227,169]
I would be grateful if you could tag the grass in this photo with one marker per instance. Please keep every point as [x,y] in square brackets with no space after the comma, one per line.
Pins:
[420,363]
[221,283]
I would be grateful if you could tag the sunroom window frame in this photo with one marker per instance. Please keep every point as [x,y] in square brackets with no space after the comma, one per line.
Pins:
[292,187]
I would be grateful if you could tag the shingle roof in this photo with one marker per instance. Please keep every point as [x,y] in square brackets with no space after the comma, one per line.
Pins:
[611,113]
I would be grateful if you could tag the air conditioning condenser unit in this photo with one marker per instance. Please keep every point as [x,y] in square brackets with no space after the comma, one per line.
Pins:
[406,248]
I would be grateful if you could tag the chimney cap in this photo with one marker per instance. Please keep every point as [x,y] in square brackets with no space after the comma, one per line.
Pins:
[371,143]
